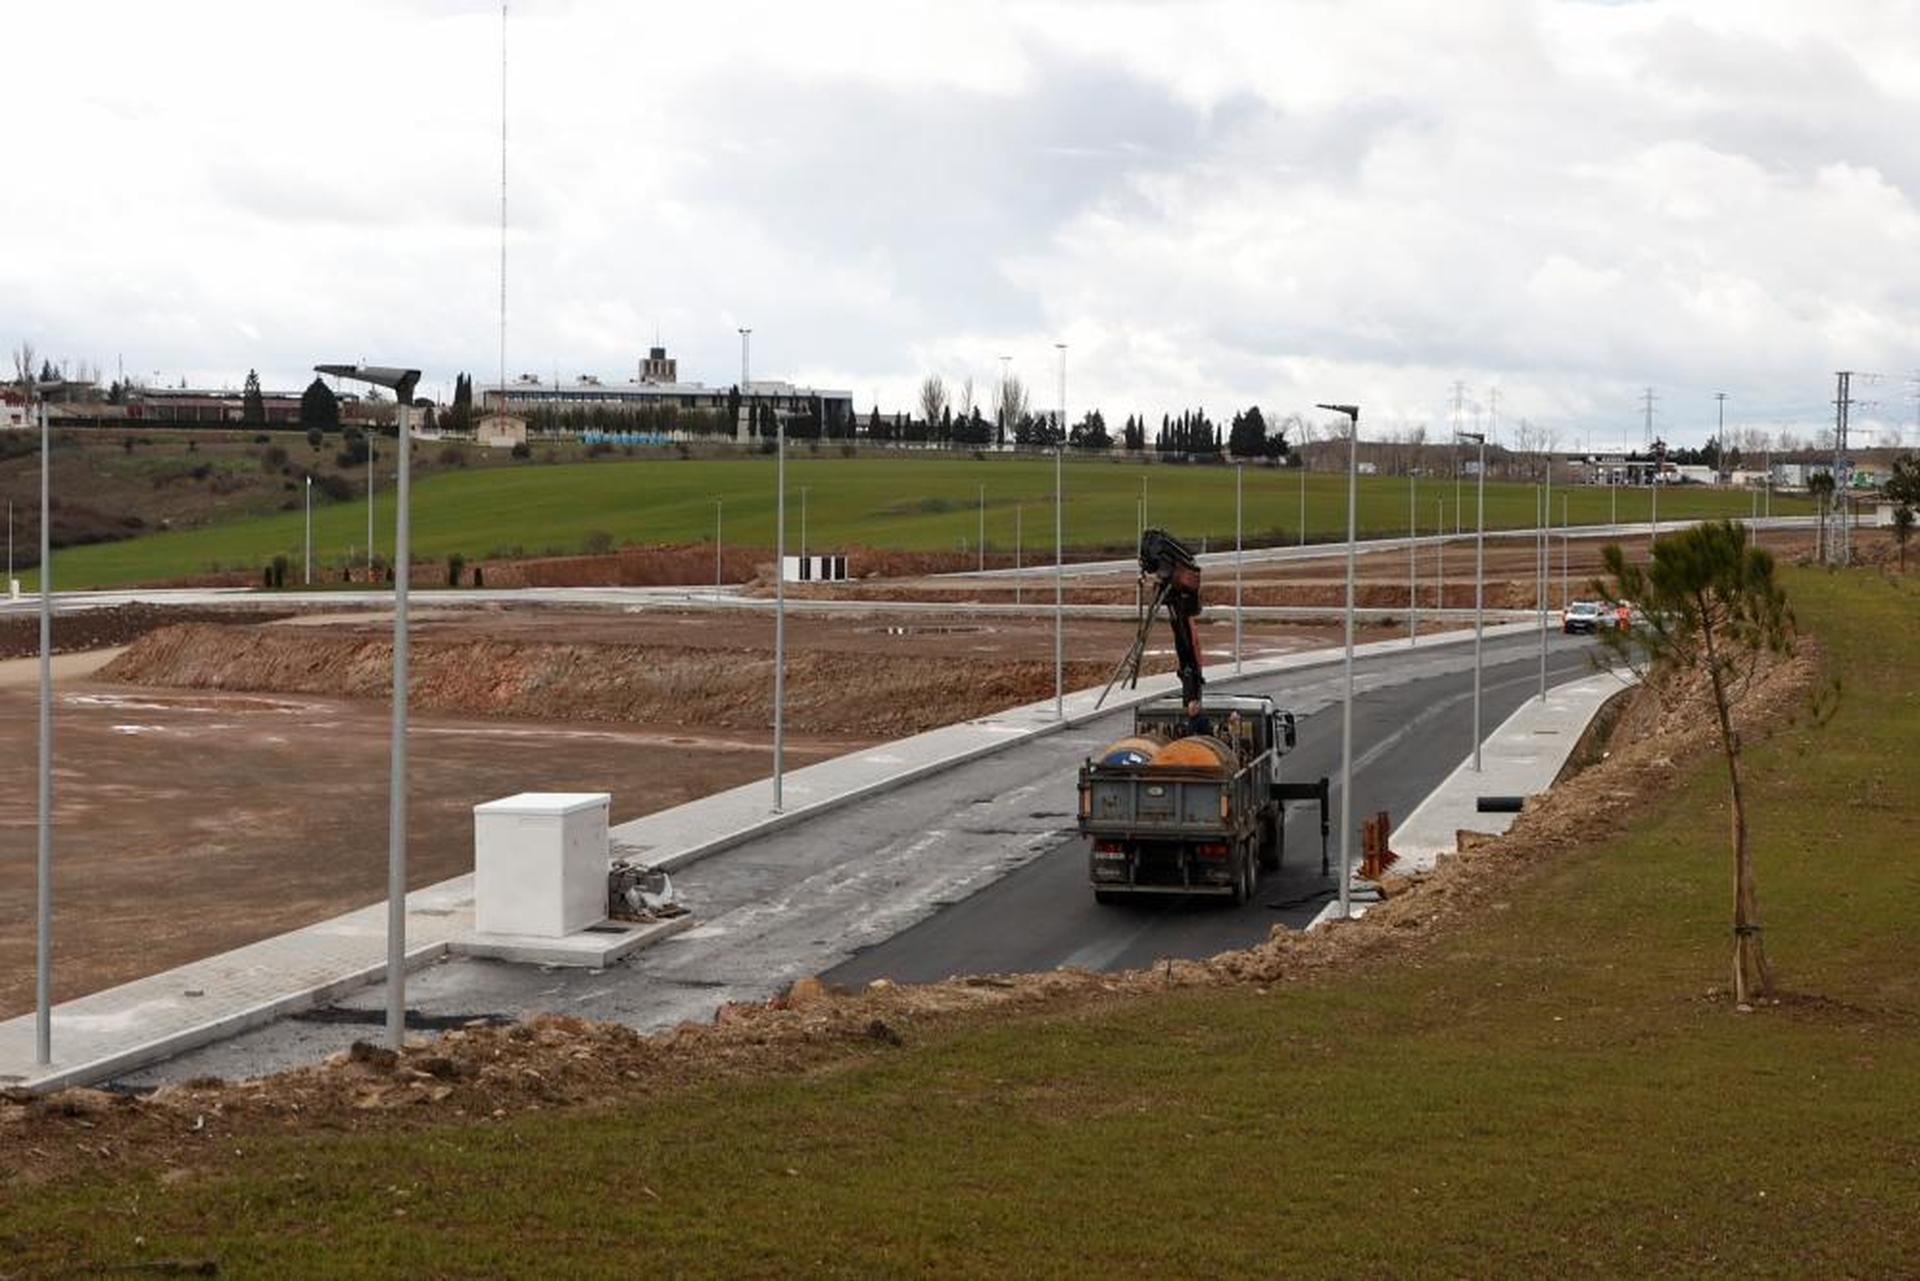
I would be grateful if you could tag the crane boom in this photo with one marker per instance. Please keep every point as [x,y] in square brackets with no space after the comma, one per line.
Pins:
[1175,574]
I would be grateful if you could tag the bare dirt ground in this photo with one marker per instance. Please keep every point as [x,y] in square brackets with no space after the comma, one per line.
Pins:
[218,783]
[190,823]
[485,1073]
[95,628]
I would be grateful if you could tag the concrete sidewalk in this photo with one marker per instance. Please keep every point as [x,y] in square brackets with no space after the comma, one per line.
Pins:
[1522,757]
[105,1034]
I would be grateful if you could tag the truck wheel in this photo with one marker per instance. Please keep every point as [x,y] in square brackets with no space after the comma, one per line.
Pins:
[1107,898]
[1243,880]
[1270,847]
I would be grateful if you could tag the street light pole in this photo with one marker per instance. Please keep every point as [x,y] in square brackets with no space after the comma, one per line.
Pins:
[1566,553]
[401,382]
[1440,556]
[1239,470]
[746,397]
[1543,514]
[718,510]
[803,524]
[1059,598]
[1303,500]
[779,608]
[1346,703]
[1413,561]
[1017,510]
[309,561]
[43,859]
[982,549]
[1479,583]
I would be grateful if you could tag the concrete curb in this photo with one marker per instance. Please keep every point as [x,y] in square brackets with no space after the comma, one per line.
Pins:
[1529,775]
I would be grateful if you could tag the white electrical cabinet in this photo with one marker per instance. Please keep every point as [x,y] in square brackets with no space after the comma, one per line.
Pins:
[540,863]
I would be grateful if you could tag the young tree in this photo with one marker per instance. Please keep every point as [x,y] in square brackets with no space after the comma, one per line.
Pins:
[253,408]
[1711,606]
[1820,485]
[1903,488]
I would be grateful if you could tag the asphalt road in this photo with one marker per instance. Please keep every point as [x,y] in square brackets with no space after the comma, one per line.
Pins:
[976,869]
[1409,733]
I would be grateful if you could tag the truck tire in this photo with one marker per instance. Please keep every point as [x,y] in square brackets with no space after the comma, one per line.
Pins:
[1274,839]
[1243,878]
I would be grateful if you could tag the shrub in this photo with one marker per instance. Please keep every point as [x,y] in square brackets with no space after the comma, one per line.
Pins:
[599,542]
[334,486]
[479,579]
[455,563]
[453,456]
[273,459]
[600,449]
[314,438]
[262,438]
[279,570]
[521,450]
[127,444]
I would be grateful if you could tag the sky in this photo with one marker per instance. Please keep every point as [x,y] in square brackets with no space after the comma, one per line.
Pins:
[1556,204]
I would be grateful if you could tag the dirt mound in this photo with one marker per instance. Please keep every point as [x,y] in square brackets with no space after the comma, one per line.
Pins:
[104,628]
[867,696]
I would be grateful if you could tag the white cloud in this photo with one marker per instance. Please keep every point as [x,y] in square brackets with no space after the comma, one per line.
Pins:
[1214,202]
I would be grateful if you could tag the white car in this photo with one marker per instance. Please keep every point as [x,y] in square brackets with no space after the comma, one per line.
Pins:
[1583,616]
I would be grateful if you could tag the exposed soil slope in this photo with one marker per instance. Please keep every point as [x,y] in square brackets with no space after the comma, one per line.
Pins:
[864,695]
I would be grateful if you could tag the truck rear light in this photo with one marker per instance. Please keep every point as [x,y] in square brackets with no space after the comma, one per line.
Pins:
[1086,802]
[1109,847]
[1210,850]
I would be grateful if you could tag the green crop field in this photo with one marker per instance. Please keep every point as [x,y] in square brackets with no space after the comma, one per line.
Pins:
[904,503]
[1547,1091]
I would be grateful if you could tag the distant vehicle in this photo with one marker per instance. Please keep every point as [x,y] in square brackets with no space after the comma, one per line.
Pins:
[1584,616]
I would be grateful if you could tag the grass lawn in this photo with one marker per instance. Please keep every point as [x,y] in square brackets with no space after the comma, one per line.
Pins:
[1550,1091]
[905,503]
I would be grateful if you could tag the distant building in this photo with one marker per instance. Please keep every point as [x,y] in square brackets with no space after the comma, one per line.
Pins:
[659,387]
[500,431]
[223,407]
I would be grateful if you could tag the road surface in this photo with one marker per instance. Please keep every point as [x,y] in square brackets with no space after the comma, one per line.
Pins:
[975,869]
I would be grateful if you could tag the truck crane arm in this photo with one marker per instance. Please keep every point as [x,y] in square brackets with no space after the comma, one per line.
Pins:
[1174,572]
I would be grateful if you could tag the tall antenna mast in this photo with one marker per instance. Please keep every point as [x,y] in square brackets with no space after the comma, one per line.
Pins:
[501,408]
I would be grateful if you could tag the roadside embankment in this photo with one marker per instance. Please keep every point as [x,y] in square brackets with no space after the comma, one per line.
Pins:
[864,695]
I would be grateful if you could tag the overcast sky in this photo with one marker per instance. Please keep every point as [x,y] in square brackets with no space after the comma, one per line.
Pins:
[1212,204]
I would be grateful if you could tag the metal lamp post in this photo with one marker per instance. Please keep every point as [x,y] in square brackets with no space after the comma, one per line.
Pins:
[1346,703]
[1479,582]
[1413,558]
[1239,477]
[1059,597]
[43,854]
[982,537]
[401,382]
[779,609]
[309,559]
[718,511]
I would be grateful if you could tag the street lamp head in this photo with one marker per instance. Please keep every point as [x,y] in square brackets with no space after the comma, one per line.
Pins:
[400,382]
[1478,438]
[1351,411]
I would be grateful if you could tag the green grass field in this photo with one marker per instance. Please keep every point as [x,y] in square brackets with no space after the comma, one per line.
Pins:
[1547,1092]
[915,504]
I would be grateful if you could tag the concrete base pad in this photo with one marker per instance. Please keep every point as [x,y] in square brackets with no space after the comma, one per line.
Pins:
[594,948]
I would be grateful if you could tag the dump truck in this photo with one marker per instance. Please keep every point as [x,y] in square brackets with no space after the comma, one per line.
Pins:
[1168,810]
